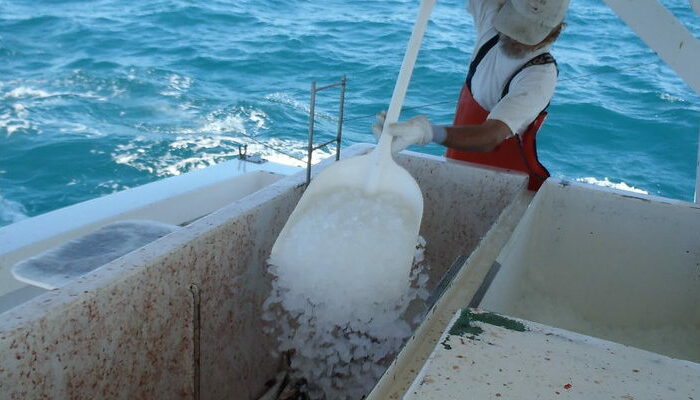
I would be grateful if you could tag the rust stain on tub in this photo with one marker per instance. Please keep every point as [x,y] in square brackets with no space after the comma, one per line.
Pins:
[123,341]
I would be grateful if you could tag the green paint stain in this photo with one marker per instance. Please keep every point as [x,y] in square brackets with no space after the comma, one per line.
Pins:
[463,326]
[446,343]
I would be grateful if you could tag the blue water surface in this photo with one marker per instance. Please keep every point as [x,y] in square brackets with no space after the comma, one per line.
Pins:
[101,96]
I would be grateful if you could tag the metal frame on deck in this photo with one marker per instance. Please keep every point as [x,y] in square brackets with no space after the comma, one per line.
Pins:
[312,117]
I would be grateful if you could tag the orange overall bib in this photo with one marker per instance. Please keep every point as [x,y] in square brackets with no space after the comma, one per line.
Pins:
[517,152]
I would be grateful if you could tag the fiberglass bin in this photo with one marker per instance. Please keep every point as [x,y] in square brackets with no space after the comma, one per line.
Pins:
[609,264]
[185,311]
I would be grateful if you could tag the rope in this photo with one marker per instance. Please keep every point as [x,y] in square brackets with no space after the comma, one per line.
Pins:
[403,109]
[560,80]
[273,148]
[611,71]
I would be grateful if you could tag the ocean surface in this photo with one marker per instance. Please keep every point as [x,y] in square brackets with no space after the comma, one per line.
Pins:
[101,96]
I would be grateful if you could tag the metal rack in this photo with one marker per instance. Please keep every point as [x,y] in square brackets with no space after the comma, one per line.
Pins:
[312,117]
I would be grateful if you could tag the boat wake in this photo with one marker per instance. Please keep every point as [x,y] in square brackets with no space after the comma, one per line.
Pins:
[11,211]
[605,182]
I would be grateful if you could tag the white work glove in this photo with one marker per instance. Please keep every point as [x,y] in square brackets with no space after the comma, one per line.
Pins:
[417,130]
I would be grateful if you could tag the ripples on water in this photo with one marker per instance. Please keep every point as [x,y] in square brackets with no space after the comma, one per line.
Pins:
[102,96]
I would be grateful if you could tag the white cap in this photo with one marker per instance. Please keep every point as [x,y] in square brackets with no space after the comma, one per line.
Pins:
[530,21]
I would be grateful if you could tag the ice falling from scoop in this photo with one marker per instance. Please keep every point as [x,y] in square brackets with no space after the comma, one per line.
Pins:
[342,284]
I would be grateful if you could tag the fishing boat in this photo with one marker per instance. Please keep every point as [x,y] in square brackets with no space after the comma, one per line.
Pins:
[574,290]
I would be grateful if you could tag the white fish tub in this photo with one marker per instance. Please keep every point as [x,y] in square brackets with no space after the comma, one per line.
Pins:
[177,200]
[181,317]
[620,267]
[602,263]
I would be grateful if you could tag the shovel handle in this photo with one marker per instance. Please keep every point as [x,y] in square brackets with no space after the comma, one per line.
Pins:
[409,61]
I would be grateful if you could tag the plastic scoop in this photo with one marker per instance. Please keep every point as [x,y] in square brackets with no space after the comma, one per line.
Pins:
[367,179]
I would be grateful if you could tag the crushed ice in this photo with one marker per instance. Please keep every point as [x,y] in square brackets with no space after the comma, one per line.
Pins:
[341,298]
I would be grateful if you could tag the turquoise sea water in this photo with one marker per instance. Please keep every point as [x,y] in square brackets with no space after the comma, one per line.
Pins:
[106,95]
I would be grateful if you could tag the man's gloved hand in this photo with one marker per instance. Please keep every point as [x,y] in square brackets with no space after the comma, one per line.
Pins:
[417,130]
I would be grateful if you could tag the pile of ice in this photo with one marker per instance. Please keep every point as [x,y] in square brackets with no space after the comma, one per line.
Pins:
[344,279]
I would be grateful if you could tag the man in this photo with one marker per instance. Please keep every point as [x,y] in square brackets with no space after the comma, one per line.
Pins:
[510,82]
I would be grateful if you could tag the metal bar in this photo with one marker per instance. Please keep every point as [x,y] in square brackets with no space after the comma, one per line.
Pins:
[196,340]
[664,34]
[697,175]
[312,110]
[325,144]
[341,111]
[329,86]
[445,281]
[485,284]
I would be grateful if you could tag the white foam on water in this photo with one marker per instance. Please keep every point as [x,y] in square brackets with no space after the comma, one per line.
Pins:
[605,182]
[15,119]
[343,282]
[177,85]
[27,92]
[11,211]
[298,105]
